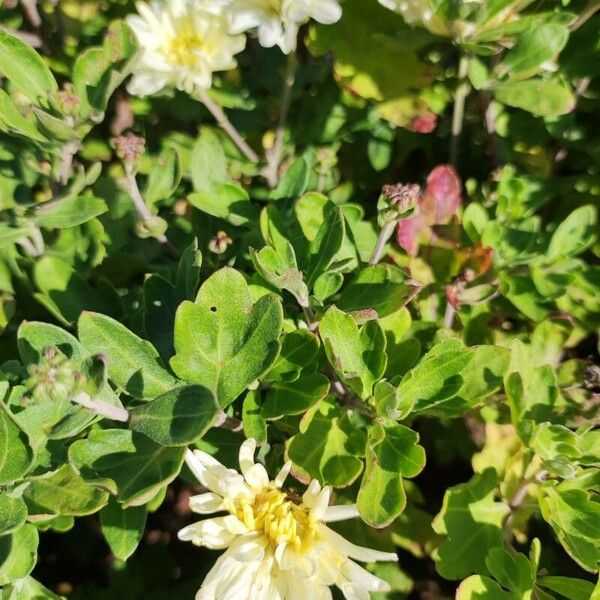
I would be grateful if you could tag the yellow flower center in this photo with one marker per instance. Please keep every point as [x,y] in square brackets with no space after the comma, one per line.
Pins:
[278,518]
[182,48]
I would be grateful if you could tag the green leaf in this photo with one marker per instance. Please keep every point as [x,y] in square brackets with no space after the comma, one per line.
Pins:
[11,117]
[450,378]
[295,397]
[18,554]
[253,422]
[25,69]
[575,234]
[28,589]
[54,128]
[383,288]
[13,513]
[326,285]
[294,181]
[128,464]
[533,48]
[281,272]
[357,355]
[164,177]
[472,522]
[326,244]
[479,587]
[63,493]
[298,350]
[532,396]
[9,235]
[227,201]
[569,587]
[123,527]
[16,454]
[133,364]
[98,71]
[392,453]
[188,272]
[222,340]
[67,212]
[328,448]
[64,292]
[176,418]
[388,402]
[575,517]
[208,164]
[512,571]
[393,47]
[542,97]
[160,305]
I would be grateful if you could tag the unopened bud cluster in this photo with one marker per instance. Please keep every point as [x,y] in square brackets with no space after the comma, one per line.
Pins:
[55,377]
[129,147]
[398,200]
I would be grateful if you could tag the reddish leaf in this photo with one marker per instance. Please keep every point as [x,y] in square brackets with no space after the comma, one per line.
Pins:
[442,195]
[408,233]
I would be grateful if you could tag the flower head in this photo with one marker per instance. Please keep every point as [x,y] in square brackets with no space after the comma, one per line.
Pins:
[181,44]
[278,21]
[278,547]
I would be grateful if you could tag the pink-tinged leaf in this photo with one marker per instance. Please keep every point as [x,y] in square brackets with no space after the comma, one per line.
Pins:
[408,233]
[442,195]
[425,123]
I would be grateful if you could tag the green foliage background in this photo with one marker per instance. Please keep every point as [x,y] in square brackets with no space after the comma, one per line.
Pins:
[450,387]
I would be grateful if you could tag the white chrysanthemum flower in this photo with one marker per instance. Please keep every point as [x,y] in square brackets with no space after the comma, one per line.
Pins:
[278,21]
[417,12]
[181,44]
[277,548]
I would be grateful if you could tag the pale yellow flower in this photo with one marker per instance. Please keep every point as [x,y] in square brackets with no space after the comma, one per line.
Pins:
[278,21]
[277,547]
[181,44]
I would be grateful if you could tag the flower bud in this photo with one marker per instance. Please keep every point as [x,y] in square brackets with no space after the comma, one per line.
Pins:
[129,148]
[220,243]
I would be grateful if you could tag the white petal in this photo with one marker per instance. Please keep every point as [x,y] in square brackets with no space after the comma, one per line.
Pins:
[255,474]
[199,462]
[270,33]
[320,503]
[225,569]
[326,11]
[346,548]
[213,533]
[282,475]
[144,84]
[206,503]
[361,578]
[342,512]
[251,548]
[243,18]
[246,454]
[312,491]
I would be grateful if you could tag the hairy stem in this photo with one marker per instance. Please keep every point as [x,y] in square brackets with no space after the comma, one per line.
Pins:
[384,235]
[586,14]
[449,316]
[219,114]
[460,95]
[271,171]
[32,13]
[143,210]
[104,409]
[66,161]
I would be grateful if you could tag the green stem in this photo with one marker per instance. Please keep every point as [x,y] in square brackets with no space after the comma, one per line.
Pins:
[271,171]
[460,95]
[384,235]
[586,14]
[219,114]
